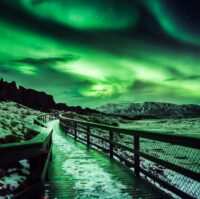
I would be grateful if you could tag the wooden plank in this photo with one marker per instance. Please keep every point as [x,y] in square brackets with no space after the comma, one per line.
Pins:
[10,158]
[68,125]
[35,148]
[99,137]
[183,140]
[88,135]
[137,187]
[136,145]
[45,168]
[82,139]
[122,159]
[31,192]
[100,147]
[35,142]
[124,147]
[82,131]
[75,131]
[111,146]
[166,137]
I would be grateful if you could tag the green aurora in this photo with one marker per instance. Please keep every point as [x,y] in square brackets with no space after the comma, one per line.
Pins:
[91,52]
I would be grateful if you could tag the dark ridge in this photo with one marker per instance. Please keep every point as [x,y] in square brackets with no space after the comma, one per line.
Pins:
[35,99]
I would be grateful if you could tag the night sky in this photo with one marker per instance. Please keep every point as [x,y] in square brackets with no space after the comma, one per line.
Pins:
[91,52]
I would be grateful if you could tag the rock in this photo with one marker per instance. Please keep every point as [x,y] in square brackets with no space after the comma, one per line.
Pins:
[11,138]
[27,97]
[35,99]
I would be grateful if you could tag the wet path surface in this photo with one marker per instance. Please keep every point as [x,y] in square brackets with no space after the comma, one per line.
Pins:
[84,173]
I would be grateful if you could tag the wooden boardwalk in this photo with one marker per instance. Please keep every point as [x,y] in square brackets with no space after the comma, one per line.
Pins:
[79,172]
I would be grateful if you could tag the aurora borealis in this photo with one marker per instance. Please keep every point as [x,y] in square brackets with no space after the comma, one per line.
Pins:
[90,52]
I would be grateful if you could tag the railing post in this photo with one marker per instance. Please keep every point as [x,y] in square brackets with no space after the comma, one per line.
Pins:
[75,131]
[50,147]
[136,155]
[88,135]
[111,143]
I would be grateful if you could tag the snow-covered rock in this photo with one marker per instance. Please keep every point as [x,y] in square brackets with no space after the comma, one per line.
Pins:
[152,109]
[14,120]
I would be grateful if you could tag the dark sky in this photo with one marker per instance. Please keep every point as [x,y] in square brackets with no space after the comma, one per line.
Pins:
[90,52]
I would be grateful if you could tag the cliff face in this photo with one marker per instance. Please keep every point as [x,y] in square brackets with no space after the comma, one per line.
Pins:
[35,99]
[28,97]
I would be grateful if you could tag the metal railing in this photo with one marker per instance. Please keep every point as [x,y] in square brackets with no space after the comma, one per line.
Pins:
[170,161]
[38,151]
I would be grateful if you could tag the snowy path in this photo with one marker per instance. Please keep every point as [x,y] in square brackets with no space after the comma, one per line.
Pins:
[82,173]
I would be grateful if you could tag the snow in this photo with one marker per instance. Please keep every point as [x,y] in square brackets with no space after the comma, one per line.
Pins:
[4,133]
[182,156]
[11,182]
[14,178]
[9,196]
[178,126]
[92,180]
[96,118]
[14,120]
[25,166]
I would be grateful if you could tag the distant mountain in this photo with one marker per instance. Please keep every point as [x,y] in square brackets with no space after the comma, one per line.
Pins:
[151,110]
[35,99]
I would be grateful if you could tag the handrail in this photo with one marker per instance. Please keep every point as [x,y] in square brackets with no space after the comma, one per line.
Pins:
[38,139]
[37,150]
[186,142]
[192,141]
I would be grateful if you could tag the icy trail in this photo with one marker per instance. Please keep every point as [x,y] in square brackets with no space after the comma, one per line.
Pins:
[82,173]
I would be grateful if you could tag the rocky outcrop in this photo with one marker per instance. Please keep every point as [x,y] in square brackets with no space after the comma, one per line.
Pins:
[35,99]
[28,97]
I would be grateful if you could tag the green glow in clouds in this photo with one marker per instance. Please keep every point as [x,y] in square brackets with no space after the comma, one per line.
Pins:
[85,14]
[100,63]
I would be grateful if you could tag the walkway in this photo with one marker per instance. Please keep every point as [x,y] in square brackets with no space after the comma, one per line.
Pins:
[78,172]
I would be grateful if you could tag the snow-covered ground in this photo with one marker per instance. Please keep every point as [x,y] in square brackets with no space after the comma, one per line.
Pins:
[182,156]
[152,110]
[14,120]
[96,118]
[178,126]
[14,179]
[91,179]
[178,155]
